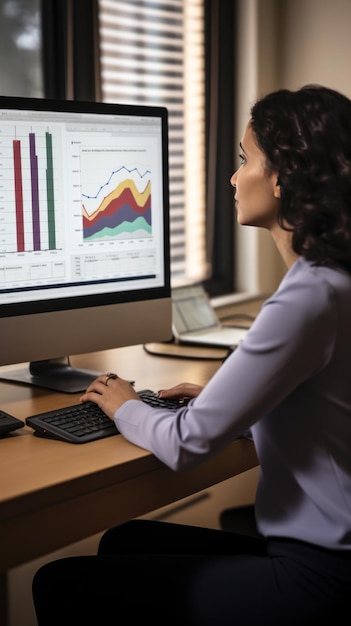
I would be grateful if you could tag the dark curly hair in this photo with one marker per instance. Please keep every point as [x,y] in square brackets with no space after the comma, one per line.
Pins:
[306,138]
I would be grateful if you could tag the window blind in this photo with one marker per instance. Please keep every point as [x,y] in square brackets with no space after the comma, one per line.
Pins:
[153,52]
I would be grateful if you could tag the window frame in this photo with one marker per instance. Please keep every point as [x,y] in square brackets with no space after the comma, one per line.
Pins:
[71,70]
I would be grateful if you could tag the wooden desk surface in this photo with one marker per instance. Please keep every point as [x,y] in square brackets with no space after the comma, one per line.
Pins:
[54,493]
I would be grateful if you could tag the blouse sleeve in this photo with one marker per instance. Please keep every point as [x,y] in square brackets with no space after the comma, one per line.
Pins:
[291,339]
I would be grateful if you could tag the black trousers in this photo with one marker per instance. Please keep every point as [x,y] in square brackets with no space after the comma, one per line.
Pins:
[175,574]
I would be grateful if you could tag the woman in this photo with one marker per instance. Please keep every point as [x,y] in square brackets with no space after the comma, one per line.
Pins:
[288,382]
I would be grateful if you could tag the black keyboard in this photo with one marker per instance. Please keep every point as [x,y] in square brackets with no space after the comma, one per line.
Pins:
[86,422]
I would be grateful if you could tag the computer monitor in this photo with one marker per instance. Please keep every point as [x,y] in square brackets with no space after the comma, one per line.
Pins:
[84,234]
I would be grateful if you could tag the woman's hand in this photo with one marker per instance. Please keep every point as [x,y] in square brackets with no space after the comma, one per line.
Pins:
[109,392]
[183,391]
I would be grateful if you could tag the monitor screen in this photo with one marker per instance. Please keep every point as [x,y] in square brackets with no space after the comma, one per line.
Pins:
[84,234]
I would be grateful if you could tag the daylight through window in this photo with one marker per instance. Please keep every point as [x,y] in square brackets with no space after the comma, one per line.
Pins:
[153,52]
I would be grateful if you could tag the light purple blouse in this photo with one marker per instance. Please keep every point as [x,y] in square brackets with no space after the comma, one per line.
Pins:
[289,382]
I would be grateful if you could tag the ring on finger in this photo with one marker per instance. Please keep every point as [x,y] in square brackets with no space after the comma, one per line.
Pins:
[110,375]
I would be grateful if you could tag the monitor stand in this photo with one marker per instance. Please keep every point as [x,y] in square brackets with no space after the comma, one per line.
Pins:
[54,374]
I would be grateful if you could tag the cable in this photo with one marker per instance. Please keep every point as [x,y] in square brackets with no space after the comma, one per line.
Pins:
[241,316]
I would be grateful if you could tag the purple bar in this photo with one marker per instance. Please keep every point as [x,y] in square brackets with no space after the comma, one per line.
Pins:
[35,192]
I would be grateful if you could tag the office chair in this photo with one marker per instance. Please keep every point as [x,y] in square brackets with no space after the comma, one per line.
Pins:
[240,519]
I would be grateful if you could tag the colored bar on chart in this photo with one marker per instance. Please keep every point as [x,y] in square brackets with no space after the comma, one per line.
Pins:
[17,161]
[35,191]
[50,192]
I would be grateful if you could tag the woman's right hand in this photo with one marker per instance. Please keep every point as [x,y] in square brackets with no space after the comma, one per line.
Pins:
[183,391]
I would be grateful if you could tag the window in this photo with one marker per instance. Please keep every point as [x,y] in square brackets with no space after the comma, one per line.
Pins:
[154,52]
[179,53]
[20,48]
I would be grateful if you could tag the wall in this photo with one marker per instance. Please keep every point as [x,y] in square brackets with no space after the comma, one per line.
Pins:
[284,44]
[315,43]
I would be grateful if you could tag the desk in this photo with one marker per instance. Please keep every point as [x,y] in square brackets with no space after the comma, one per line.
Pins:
[54,493]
